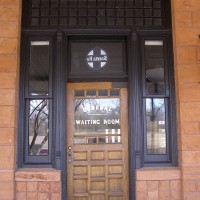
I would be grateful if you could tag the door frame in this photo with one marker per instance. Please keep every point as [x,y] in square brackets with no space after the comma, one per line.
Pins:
[134,102]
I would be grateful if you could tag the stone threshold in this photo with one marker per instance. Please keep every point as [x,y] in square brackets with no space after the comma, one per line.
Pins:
[158,173]
[37,174]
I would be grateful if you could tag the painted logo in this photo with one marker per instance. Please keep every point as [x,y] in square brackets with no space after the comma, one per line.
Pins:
[97,58]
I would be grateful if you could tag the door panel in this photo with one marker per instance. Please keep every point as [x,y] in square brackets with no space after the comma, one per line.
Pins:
[97,142]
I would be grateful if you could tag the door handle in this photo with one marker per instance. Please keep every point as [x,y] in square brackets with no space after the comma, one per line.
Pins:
[69,154]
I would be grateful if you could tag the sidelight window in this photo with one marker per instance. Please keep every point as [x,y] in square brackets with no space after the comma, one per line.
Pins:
[157,101]
[38,101]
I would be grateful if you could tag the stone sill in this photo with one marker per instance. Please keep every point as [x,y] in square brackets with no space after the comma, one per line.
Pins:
[158,173]
[37,174]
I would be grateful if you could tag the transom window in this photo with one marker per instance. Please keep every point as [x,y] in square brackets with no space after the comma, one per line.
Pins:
[148,13]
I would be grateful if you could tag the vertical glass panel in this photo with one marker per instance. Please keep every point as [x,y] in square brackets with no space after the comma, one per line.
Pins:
[154,67]
[155,126]
[39,68]
[39,127]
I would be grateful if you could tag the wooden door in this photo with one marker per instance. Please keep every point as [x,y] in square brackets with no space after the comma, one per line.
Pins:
[97,142]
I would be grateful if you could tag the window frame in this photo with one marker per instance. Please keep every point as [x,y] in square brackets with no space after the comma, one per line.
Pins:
[24,159]
[171,156]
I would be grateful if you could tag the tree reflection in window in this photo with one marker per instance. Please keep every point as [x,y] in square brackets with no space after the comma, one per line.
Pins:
[38,127]
[97,120]
[156,130]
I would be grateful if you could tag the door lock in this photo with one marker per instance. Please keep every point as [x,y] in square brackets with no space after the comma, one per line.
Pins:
[69,154]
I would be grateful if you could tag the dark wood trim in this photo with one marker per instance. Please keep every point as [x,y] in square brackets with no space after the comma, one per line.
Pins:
[132,103]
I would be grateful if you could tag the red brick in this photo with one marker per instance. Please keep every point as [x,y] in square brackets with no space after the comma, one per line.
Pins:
[163,185]
[182,5]
[43,186]
[6,136]
[7,157]
[12,2]
[21,186]
[7,116]
[191,158]
[32,186]
[183,18]
[141,195]
[8,45]
[37,174]
[55,187]
[189,186]
[6,175]
[141,186]
[190,111]
[8,29]
[8,62]
[176,195]
[6,190]
[56,196]
[196,18]
[189,38]
[9,12]
[31,196]
[186,55]
[191,195]
[152,185]
[189,92]
[7,80]
[7,97]
[153,195]
[21,196]
[188,128]
[191,173]
[43,196]
[163,195]
[186,5]
[189,74]
[190,142]
[153,173]
[175,185]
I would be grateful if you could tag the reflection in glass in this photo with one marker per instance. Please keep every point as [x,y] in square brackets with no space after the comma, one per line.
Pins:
[79,93]
[154,67]
[39,68]
[39,127]
[114,92]
[91,93]
[97,121]
[103,93]
[155,126]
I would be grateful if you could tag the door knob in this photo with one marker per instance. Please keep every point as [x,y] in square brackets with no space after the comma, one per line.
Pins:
[69,154]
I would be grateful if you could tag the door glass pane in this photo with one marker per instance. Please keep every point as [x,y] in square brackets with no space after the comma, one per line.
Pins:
[97,120]
[154,67]
[155,126]
[39,68]
[39,127]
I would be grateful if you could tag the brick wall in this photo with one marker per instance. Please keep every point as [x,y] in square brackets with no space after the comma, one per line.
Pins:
[158,184]
[9,57]
[38,184]
[186,30]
